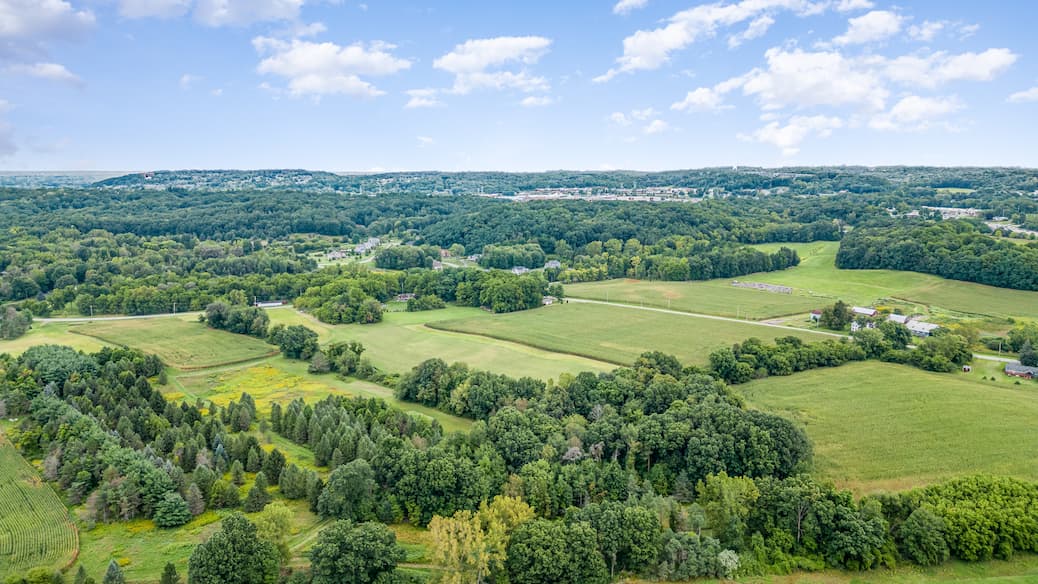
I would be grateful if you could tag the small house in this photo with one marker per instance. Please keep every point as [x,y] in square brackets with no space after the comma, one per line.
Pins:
[899,318]
[270,304]
[1018,370]
[519,270]
[816,315]
[920,328]
[404,297]
[549,300]
[437,265]
[552,265]
[869,312]
[444,253]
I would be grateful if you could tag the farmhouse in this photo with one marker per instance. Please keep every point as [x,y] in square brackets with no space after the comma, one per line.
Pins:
[404,297]
[864,311]
[518,270]
[816,315]
[920,328]
[899,318]
[437,265]
[1018,370]
[552,264]
[337,254]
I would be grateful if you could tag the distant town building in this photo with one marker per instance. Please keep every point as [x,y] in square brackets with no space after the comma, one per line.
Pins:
[370,244]
[899,318]
[337,254]
[552,264]
[519,270]
[437,265]
[404,297]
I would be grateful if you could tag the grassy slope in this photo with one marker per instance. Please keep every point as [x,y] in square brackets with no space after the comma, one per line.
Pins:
[617,334]
[402,341]
[35,529]
[182,343]
[816,282]
[51,333]
[281,380]
[878,426]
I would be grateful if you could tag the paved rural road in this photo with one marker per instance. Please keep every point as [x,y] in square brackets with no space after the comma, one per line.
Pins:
[753,322]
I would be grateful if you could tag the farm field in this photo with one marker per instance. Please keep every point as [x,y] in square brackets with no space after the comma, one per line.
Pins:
[879,426]
[281,380]
[35,529]
[182,343]
[816,282]
[52,333]
[618,334]
[402,340]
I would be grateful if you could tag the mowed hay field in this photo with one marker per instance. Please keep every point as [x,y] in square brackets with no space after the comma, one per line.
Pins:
[282,380]
[35,529]
[879,426]
[403,340]
[181,342]
[619,334]
[52,333]
[815,282]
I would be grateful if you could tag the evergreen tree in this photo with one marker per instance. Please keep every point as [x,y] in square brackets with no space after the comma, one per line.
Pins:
[258,496]
[169,574]
[195,500]
[237,473]
[114,574]
[172,511]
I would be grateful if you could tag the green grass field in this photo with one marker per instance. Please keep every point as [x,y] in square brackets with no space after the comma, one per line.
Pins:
[618,334]
[281,380]
[51,333]
[816,282]
[879,426]
[402,340]
[35,529]
[183,343]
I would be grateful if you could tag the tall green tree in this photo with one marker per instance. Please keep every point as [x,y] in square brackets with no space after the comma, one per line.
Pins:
[346,553]
[234,555]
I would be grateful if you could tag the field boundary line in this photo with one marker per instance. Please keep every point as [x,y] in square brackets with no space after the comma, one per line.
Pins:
[268,355]
[653,304]
[706,316]
[438,326]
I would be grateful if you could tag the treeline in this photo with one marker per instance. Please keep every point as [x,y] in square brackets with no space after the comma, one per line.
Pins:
[959,250]
[674,258]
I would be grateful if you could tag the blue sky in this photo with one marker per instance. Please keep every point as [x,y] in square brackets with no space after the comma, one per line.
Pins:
[476,85]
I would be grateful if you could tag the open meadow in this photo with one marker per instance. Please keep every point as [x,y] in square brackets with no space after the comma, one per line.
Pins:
[879,426]
[618,334]
[281,380]
[183,343]
[52,333]
[816,282]
[35,529]
[403,340]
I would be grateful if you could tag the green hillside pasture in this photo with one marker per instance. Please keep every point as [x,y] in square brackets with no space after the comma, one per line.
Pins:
[717,297]
[815,282]
[817,274]
[402,340]
[52,333]
[35,529]
[282,380]
[878,426]
[183,343]
[618,334]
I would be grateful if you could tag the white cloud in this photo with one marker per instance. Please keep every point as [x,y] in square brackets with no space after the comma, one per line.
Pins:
[789,137]
[756,29]
[915,113]
[871,27]
[849,5]
[940,67]
[424,141]
[702,99]
[926,31]
[651,49]
[1028,95]
[620,119]
[476,64]
[216,92]
[153,8]
[626,6]
[643,114]
[422,98]
[48,71]
[655,127]
[187,80]
[327,68]
[245,12]
[802,79]
[536,101]
[34,20]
